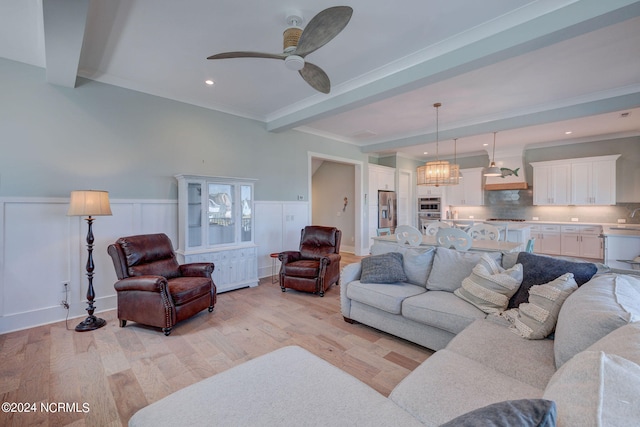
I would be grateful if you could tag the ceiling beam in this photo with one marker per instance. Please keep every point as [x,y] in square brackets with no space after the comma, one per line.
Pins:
[547,114]
[64,24]
[576,18]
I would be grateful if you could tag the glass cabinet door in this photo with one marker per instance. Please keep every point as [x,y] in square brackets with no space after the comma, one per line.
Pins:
[246,198]
[221,214]
[194,214]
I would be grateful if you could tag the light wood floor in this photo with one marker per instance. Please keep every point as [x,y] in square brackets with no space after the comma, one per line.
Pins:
[117,371]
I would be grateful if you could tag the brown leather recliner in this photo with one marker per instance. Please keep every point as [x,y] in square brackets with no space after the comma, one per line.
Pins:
[316,266]
[153,289]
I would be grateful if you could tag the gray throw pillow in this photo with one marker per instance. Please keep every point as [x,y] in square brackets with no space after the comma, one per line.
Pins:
[451,267]
[521,413]
[385,268]
[540,269]
[417,265]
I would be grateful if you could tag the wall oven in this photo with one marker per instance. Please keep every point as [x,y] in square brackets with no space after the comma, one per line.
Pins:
[429,207]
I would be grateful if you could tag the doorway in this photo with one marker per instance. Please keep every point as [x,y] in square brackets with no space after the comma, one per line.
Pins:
[335,197]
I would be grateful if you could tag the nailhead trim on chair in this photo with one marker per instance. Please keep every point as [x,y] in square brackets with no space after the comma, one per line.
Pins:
[167,309]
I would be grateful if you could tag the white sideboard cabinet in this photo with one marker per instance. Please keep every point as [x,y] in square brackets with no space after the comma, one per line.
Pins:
[216,224]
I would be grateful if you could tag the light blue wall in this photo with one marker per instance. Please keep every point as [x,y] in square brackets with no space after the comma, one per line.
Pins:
[55,139]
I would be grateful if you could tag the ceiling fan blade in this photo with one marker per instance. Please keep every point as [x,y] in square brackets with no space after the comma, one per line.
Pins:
[227,55]
[323,28]
[317,78]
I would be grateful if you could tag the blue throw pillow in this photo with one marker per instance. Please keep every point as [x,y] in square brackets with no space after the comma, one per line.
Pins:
[510,413]
[541,269]
[385,268]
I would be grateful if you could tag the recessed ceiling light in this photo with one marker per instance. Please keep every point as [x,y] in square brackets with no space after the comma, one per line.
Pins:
[209,82]
[485,144]
[426,152]
[568,132]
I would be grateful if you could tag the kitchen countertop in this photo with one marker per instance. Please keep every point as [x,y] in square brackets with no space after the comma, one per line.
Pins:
[619,231]
[608,229]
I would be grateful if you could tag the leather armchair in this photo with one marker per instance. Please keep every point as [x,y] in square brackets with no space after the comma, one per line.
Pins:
[316,266]
[152,288]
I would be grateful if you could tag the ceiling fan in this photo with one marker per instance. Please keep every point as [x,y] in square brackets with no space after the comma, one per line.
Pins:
[298,43]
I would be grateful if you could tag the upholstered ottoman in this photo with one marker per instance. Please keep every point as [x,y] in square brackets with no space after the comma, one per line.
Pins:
[288,387]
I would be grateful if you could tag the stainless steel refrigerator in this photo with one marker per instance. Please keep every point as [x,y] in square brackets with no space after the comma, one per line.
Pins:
[387,217]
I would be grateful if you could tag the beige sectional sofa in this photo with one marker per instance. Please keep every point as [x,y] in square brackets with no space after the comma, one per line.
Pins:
[484,369]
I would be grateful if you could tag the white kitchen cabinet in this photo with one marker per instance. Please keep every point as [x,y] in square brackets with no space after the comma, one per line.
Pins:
[593,181]
[548,240]
[583,241]
[216,224]
[583,181]
[591,246]
[551,183]
[381,178]
[428,191]
[469,191]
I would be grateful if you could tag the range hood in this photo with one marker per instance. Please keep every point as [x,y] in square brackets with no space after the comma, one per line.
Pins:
[511,163]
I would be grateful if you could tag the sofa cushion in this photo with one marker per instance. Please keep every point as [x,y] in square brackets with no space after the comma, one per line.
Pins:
[541,269]
[451,267]
[595,388]
[598,307]
[623,342]
[441,309]
[489,286]
[417,264]
[448,385]
[383,296]
[384,268]
[493,345]
[537,318]
[521,413]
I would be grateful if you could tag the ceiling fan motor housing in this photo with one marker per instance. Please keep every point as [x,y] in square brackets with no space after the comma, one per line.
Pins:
[294,62]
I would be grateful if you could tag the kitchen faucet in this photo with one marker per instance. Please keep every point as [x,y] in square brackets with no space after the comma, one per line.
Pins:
[634,212]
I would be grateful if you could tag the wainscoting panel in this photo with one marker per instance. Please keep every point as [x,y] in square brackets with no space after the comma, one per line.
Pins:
[41,248]
[278,226]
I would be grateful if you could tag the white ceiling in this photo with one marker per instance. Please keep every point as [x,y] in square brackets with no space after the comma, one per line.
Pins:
[530,70]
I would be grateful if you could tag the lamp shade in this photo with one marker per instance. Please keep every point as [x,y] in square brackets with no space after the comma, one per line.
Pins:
[438,173]
[493,170]
[89,203]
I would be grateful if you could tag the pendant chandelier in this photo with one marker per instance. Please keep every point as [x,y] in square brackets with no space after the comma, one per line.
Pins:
[439,172]
[493,170]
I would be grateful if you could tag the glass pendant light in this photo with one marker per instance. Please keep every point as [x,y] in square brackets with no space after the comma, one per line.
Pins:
[439,172]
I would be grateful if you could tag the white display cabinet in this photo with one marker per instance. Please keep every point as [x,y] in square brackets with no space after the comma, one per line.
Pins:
[216,224]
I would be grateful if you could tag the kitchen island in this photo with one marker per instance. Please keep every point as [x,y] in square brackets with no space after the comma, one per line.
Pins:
[621,243]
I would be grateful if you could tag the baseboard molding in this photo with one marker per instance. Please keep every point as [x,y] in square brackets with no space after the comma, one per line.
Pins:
[30,319]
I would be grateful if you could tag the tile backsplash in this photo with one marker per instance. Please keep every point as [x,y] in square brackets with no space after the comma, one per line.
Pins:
[518,204]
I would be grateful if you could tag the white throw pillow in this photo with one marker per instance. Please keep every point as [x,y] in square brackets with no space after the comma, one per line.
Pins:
[489,287]
[596,389]
[537,318]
